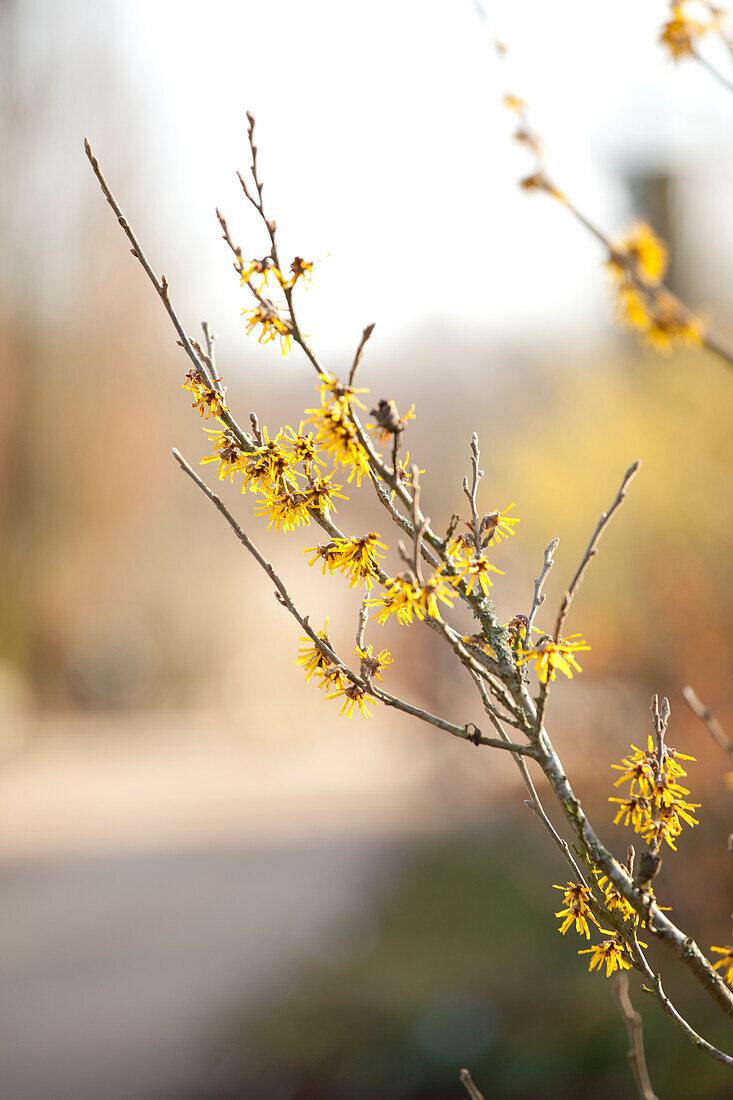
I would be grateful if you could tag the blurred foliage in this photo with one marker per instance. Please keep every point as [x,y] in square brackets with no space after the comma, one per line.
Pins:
[460,964]
[657,602]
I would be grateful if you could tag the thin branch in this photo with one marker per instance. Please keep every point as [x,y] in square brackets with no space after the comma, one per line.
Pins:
[476,475]
[533,802]
[590,553]
[539,596]
[592,548]
[361,625]
[467,1081]
[705,715]
[160,284]
[722,80]
[360,351]
[656,989]
[632,1023]
[162,287]
[271,226]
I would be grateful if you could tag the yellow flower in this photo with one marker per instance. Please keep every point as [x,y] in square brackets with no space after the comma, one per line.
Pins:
[477,569]
[478,641]
[372,664]
[311,657]
[209,402]
[500,523]
[361,559]
[616,900]
[265,314]
[671,323]
[577,909]
[353,696]
[646,252]
[329,553]
[662,319]
[321,492]
[299,446]
[267,467]
[633,810]
[335,393]
[638,768]
[301,269]
[437,588]
[402,598]
[358,558]
[404,469]
[286,509]
[333,678]
[679,34]
[726,962]
[230,455]
[612,952]
[514,103]
[666,823]
[259,267]
[551,657]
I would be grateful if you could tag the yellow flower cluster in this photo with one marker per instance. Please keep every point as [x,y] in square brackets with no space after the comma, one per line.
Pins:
[285,471]
[612,951]
[637,265]
[656,805]
[333,679]
[551,657]
[578,911]
[300,269]
[354,695]
[358,558]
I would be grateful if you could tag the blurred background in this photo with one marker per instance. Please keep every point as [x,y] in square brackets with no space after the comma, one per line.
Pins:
[210,886]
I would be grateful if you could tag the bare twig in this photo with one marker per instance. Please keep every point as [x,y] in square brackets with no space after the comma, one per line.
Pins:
[533,802]
[632,1023]
[470,491]
[359,352]
[705,715]
[590,553]
[722,80]
[539,596]
[361,626]
[467,1081]
[592,548]
[656,989]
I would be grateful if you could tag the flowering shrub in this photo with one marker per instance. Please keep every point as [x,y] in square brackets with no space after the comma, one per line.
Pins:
[298,477]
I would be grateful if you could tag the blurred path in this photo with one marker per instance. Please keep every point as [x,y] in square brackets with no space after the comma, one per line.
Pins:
[116,972]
